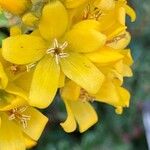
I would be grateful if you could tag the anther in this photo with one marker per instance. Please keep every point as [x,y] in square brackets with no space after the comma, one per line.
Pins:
[17,114]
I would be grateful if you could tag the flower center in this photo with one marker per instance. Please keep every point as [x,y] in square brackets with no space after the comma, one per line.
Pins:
[91,12]
[15,69]
[57,50]
[85,97]
[18,115]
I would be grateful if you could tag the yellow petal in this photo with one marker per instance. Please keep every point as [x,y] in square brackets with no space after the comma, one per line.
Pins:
[12,97]
[45,82]
[122,15]
[105,5]
[10,135]
[15,6]
[124,40]
[3,77]
[15,90]
[131,13]
[104,56]
[54,20]
[85,40]
[70,91]
[123,68]
[24,81]
[115,30]
[112,94]
[70,124]
[88,24]
[74,3]
[127,56]
[23,49]
[61,80]
[127,71]
[124,95]
[119,110]
[36,124]
[11,102]
[79,69]
[83,113]
[29,142]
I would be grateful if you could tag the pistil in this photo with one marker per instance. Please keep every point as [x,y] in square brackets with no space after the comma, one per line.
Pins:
[57,50]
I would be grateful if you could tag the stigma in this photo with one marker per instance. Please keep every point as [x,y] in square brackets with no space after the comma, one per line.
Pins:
[57,50]
[17,114]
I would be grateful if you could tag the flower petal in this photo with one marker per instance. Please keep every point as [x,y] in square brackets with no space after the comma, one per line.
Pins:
[14,139]
[70,91]
[23,49]
[122,43]
[70,124]
[74,3]
[85,40]
[79,69]
[130,12]
[12,97]
[36,124]
[61,80]
[105,5]
[112,94]
[54,20]
[3,77]
[83,113]
[15,6]
[29,142]
[104,56]
[45,82]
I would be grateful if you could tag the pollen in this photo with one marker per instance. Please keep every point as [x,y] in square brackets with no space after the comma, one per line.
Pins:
[57,50]
[18,115]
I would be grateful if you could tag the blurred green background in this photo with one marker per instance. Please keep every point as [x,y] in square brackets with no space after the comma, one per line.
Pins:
[112,132]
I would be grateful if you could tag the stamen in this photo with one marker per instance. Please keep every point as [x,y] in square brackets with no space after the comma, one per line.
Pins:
[92,12]
[116,39]
[57,50]
[17,114]
[85,97]
[30,66]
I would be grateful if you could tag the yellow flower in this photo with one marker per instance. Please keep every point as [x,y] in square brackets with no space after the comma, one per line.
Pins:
[80,112]
[78,106]
[16,7]
[50,56]
[23,123]
[111,91]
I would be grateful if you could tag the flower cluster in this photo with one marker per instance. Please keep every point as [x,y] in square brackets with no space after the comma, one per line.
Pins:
[76,47]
